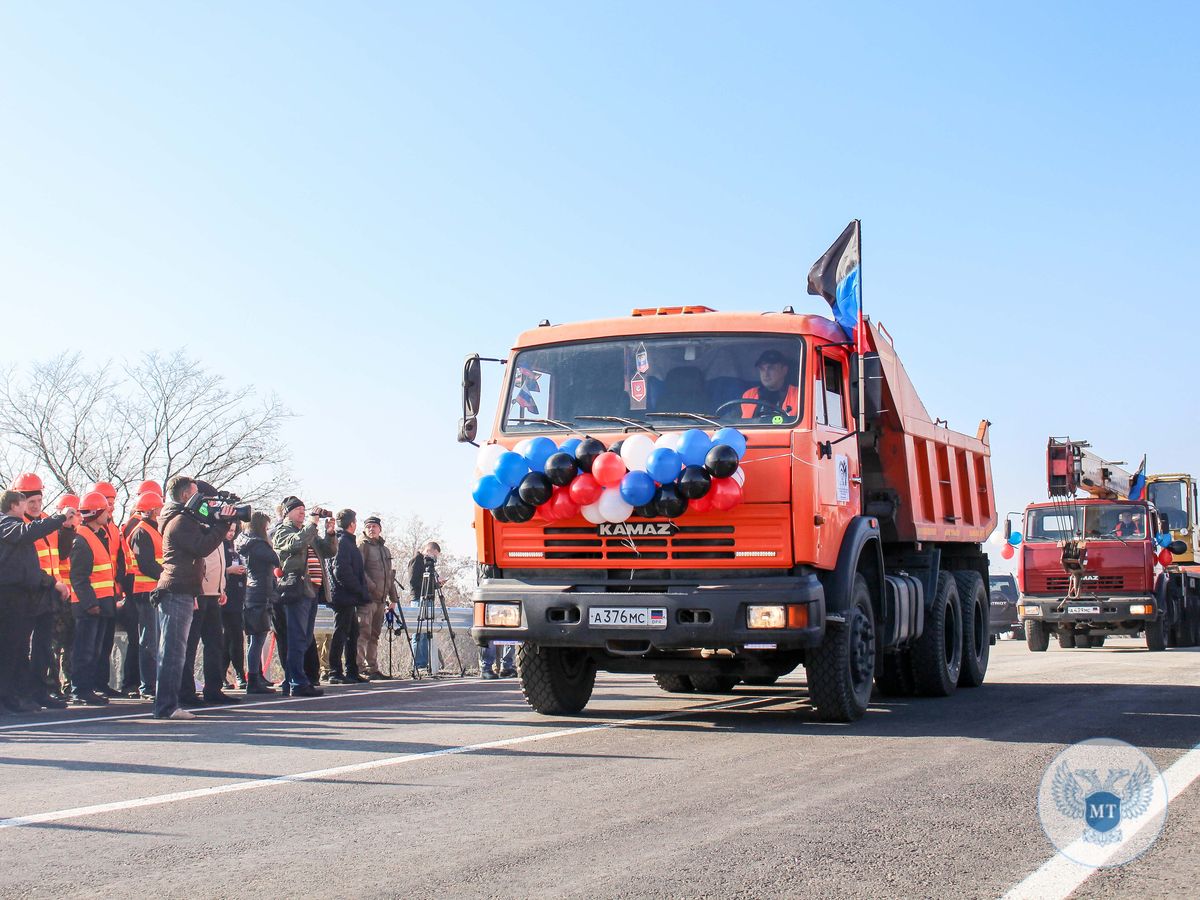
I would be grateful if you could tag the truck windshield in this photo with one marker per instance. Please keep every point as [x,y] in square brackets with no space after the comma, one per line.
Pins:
[663,382]
[1171,499]
[1112,521]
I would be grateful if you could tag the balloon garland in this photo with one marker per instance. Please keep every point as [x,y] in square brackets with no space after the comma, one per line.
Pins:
[637,476]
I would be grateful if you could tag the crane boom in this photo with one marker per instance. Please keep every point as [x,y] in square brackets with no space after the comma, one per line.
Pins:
[1071,467]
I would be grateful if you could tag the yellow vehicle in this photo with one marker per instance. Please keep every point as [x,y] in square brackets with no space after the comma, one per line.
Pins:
[1174,495]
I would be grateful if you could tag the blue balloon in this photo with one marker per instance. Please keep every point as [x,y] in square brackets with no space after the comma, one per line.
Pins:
[733,438]
[1015,538]
[693,447]
[664,465]
[489,492]
[637,488]
[570,445]
[511,468]
[539,450]
[1163,540]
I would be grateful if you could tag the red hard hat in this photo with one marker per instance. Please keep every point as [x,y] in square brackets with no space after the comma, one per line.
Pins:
[149,487]
[68,500]
[148,501]
[105,489]
[27,483]
[93,502]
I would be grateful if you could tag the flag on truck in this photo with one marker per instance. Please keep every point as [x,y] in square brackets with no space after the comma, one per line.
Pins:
[1137,487]
[835,276]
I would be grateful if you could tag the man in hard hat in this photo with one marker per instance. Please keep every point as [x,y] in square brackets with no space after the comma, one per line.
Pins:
[47,602]
[773,388]
[116,546]
[63,637]
[22,580]
[145,568]
[94,584]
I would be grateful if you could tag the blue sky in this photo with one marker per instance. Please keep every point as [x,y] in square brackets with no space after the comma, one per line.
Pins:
[337,202]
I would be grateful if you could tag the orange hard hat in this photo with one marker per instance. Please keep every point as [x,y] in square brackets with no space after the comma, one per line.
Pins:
[93,502]
[27,483]
[148,501]
[68,500]
[149,487]
[104,489]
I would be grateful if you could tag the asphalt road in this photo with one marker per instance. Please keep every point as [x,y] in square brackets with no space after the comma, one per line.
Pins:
[455,788]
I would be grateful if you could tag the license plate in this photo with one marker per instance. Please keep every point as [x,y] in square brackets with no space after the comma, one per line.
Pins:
[627,617]
[1093,610]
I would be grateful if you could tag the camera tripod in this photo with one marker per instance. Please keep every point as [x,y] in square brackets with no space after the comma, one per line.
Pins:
[396,624]
[431,593]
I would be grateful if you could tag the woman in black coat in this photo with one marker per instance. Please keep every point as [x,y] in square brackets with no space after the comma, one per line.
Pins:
[261,594]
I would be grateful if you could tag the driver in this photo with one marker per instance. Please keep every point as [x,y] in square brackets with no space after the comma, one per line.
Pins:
[773,388]
[1127,526]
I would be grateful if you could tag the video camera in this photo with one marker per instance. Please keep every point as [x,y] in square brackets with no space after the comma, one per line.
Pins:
[206,506]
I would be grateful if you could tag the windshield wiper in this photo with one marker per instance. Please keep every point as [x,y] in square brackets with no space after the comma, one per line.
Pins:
[687,415]
[630,422]
[562,425]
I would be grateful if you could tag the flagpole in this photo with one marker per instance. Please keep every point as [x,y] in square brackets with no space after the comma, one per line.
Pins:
[858,339]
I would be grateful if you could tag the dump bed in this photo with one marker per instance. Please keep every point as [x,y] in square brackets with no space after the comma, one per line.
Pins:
[934,483]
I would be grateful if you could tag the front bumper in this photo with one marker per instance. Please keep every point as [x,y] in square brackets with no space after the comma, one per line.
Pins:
[711,615]
[1113,611]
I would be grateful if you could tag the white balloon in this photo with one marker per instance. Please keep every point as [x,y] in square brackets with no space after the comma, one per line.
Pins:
[522,446]
[671,440]
[592,513]
[635,451]
[613,507]
[488,456]
[739,475]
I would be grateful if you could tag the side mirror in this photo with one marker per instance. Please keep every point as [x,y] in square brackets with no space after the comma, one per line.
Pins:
[472,383]
[1164,525]
[1007,529]
[872,374]
[1178,548]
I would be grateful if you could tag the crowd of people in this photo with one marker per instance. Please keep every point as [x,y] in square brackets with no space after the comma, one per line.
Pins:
[183,572]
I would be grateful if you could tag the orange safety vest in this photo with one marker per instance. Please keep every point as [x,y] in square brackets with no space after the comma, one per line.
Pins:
[47,550]
[103,576]
[143,584]
[791,403]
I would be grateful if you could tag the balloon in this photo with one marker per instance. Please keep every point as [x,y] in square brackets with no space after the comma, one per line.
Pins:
[539,450]
[489,492]
[522,446]
[739,476]
[1007,551]
[1163,540]
[670,440]
[671,504]
[585,490]
[702,504]
[608,469]
[637,488]
[535,489]
[1015,538]
[517,509]
[570,445]
[1165,558]
[727,494]
[592,514]
[693,447]
[636,451]
[694,482]
[649,509]
[721,461]
[487,457]
[613,508]
[731,437]
[663,465]
[499,514]
[562,504]
[561,468]
[617,447]
[586,453]
[511,468]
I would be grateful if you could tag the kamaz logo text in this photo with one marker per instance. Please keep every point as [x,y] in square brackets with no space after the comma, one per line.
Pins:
[637,529]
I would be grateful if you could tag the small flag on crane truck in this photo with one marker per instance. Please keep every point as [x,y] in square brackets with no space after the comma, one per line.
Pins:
[835,276]
[1137,486]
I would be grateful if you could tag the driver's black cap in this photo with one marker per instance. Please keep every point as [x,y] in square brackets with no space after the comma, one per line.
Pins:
[770,356]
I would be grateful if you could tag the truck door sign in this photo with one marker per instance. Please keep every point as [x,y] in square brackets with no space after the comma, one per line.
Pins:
[843,478]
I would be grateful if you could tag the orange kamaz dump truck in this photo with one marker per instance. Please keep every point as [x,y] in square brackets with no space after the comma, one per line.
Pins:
[855,552]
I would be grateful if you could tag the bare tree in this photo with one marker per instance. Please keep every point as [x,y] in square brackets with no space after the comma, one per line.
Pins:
[409,535]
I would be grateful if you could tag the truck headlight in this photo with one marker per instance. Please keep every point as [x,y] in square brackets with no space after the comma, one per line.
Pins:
[1141,609]
[766,616]
[502,615]
[1029,610]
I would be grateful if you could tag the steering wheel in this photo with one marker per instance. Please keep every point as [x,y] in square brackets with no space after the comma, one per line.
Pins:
[764,404]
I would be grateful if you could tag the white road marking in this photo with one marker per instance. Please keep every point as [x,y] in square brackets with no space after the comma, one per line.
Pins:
[255,784]
[1059,877]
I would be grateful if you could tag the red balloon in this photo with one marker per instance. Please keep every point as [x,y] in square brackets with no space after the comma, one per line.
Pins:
[585,489]
[1007,551]
[701,504]
[726,494]
[562,504]
[1164,557]
[609,469]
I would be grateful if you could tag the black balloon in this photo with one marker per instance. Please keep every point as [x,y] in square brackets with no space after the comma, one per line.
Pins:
[695,482]
[616,448]
[535,489]
[649,510]
[586,453]
[561,469]
[516,509]
[499,513]
[722,461]
[671,504]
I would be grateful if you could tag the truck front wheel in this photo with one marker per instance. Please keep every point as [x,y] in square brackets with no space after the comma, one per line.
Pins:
[1066,639]
[1156,634]
[713,684]
[975,627]
[674,684]
[556,681]
[937,657]
[840,671]
[1037,638]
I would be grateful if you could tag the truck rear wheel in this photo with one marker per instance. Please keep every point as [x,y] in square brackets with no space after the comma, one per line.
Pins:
[841,670]
[893,674]
[1037,638]
[1066,640]
[713,684]
[1096,640]
[760,680]
[977,644]
[1156,634]
[674,684]
[556,681]
[938,654]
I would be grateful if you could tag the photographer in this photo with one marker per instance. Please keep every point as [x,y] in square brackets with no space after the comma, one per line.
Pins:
[261,595]
[188,539]
[422,587]
[231,612]
[348,592]
[207,627]
[301,552]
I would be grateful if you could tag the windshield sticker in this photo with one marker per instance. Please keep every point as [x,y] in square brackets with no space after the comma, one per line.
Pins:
[641,359]
[843,478]
[525,385]
[637,392]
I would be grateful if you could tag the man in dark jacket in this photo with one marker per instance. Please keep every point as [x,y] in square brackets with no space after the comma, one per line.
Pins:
[93,580]
[348,591]
[187,540]
[301,552]
[21,582]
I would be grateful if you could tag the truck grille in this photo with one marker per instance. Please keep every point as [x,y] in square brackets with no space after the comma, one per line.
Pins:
[1057,584]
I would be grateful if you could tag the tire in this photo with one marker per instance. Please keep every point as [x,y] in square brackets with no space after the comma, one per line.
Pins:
[713,684]
[761,680]
[977,644]
[841,670]
[893,674]
[937,656]
[1066,640]
[556,681]
[1096,640]
[674,684]
[1037,638]
[1156,635]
